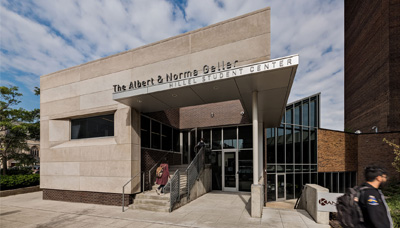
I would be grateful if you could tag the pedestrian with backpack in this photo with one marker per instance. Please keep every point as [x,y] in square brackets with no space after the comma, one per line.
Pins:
[162,174]
[365,206]
[372,202]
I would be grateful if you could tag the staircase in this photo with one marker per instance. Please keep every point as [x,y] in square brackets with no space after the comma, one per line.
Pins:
[151,201]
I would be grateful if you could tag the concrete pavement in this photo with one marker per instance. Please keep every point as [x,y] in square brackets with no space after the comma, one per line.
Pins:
[215,209]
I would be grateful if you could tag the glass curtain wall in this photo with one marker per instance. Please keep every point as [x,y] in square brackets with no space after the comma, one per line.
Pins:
[292,148]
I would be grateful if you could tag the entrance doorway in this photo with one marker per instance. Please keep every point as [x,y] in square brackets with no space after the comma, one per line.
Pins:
[230,170]
[281,187]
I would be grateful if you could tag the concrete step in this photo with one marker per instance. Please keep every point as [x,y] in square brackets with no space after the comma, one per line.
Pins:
[150,207]
[152,195]
[153,202]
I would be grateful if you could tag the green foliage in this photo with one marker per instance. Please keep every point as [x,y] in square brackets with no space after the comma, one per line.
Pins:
[21,170]
[16,125]
[396,151]
[392,193]
[19,181]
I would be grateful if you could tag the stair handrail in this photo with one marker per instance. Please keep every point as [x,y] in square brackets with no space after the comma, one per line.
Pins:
[123,189]
[174,187]
[154,166]
[194,169]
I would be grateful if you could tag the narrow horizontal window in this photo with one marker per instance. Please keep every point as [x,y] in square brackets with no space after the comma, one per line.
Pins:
[91,127]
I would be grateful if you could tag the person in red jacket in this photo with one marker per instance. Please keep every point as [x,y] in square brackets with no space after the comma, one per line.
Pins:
[163,180]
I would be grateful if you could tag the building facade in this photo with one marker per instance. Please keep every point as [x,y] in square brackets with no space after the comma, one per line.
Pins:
[108,121]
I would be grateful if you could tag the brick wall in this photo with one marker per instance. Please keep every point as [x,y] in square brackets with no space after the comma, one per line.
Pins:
[87,197]
[169,117]
[225,113]
[373,150]
[337,151]
[372,53]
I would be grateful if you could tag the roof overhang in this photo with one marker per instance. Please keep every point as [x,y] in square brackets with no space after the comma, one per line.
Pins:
[272,80]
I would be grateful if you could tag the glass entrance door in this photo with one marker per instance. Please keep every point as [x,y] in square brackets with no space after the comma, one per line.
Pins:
[229,171]
[280,187]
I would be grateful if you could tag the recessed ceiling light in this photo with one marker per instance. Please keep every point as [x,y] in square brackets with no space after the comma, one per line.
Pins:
[215,87]
[139,101]
[174,95]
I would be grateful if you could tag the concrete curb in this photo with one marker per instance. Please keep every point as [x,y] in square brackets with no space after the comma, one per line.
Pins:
[20,191]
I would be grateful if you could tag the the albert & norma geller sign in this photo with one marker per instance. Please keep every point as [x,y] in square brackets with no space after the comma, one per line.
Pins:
[220,71]
[170,77]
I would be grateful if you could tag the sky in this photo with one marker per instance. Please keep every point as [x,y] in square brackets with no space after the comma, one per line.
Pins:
[43,36]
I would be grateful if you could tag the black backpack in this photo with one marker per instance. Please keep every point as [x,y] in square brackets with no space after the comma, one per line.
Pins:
[349,213]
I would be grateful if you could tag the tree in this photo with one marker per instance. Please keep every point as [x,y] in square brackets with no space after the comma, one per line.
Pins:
[17,125]
[396,151]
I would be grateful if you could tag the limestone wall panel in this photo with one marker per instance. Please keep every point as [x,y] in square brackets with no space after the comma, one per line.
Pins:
[71,168]
[122,122]
[95,100]
[96,169]
[60,92]
[153,70]
[119,168]
[108,65]
[253,48]
[104,184]
[51,168]
[231,31]
[60,182]
[60,106]
[160,51]
[103,83]
[44,135]
[135,154]
[135,127]
[59,130]
[60,78]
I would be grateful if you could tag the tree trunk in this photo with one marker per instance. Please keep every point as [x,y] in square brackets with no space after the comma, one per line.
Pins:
[4,159]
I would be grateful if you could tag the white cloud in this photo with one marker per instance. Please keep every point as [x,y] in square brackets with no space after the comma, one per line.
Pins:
[44,36]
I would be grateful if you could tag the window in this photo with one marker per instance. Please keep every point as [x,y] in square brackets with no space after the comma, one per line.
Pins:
[305,114]
[245,137]
[166,138]
[289,145]
[230,138]
[281,146]
[91,127]
[155,135]
[289,115]
[297,114]
[216,139]
[159,136]
[35,151]
[271,145]
[145,132]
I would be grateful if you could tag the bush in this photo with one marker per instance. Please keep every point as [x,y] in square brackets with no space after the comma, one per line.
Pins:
[19,181]
[392,193]
[22,170]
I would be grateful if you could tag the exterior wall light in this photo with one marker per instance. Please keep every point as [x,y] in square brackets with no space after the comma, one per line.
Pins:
[212,115]
[358,132]
[375,128]
[242,113]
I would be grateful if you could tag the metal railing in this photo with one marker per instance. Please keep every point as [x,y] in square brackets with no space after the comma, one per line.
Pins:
[152,172]
[123,189]
[173,186]
[194,169]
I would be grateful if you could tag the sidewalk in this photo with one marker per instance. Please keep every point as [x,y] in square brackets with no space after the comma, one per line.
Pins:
[215,209]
